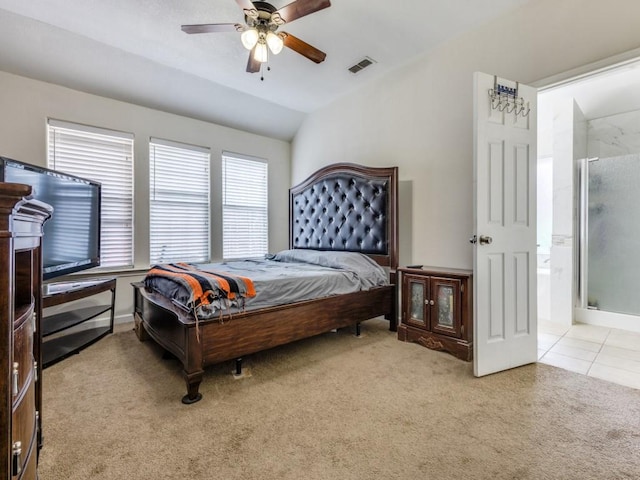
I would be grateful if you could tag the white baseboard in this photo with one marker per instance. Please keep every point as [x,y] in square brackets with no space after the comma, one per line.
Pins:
[601,318]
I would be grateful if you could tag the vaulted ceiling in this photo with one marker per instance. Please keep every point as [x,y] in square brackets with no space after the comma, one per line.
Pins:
[135,51]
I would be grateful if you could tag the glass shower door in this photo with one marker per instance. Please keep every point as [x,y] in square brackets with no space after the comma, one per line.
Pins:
[611,225]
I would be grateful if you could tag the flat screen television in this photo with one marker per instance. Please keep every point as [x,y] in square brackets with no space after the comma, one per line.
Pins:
[71,240]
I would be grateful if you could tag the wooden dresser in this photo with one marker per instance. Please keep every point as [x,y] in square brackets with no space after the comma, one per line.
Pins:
[21,221]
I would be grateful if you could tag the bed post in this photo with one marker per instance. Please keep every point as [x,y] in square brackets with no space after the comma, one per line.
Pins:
[193,371]
[193,385]
[393,315]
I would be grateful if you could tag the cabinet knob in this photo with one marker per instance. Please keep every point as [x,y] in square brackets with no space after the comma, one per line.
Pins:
[16,463]
[35,370]
[14,376]
[431,302]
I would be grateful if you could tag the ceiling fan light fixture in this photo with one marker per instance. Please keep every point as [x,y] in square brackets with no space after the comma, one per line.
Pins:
[275,43]
[260,53]
[249,38]
[259,33]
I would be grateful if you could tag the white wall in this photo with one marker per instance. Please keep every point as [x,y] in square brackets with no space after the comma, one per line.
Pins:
[420,117]
[569,145]
[26,104]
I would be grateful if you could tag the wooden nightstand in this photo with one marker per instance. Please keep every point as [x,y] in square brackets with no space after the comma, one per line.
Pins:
[437,309]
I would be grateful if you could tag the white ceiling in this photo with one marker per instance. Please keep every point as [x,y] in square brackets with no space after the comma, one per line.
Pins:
[135,51]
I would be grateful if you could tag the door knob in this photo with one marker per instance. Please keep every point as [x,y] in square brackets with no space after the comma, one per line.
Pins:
[485,240]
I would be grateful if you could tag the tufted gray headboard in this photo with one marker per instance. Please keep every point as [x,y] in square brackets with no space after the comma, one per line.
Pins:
[347,207]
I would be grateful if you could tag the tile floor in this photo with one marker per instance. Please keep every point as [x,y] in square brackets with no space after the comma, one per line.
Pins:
[605,353]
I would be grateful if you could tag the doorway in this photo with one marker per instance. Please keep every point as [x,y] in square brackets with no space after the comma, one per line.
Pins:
[593,116]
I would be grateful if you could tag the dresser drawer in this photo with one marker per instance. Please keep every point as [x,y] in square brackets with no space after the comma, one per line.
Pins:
[30,465]
[23,355]
[23,422]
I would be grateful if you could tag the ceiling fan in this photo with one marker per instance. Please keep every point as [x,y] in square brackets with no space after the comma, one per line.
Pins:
[259,34]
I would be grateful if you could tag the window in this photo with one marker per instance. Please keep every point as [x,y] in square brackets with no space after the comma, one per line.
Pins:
[105,156]
[179,202]
[244,207]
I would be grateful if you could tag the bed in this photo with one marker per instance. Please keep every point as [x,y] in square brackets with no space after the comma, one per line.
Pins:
[341,208]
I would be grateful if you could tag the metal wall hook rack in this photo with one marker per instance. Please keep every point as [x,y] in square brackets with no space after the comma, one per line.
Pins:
[505,98]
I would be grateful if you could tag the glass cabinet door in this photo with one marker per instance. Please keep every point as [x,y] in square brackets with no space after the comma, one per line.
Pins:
[416,298]
[446,306]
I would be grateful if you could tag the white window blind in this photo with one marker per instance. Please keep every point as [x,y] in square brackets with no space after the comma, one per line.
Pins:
[104,156]
[179,202]
[244,207]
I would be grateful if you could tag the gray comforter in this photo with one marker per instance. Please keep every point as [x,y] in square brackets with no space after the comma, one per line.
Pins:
[295,275]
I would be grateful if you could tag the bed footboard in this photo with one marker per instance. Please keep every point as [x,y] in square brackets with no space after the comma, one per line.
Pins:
[250,332]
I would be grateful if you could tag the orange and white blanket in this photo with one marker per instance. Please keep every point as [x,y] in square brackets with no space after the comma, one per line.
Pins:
[205,289]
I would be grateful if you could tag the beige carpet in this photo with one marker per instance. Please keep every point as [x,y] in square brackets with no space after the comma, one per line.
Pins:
[332,407]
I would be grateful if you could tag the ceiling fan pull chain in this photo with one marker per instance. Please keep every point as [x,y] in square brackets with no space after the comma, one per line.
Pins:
[261,74]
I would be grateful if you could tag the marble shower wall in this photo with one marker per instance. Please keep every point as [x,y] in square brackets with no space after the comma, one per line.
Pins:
[614,136]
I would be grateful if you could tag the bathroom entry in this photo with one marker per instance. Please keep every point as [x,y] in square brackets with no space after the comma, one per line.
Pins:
[595,210]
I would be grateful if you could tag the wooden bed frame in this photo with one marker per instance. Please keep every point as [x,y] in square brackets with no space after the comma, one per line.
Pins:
[340,207]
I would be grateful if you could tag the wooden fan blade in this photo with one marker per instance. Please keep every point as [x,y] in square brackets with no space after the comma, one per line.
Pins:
[253,65]
[248,8]
[213,28]
[300,8]
[246,4]
[303,48]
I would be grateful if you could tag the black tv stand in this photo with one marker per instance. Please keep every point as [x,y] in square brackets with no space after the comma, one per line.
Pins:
[57,347]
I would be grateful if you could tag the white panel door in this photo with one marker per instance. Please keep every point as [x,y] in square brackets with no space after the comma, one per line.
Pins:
[505,298]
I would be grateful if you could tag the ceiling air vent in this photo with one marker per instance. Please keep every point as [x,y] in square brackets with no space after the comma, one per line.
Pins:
[362,64]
